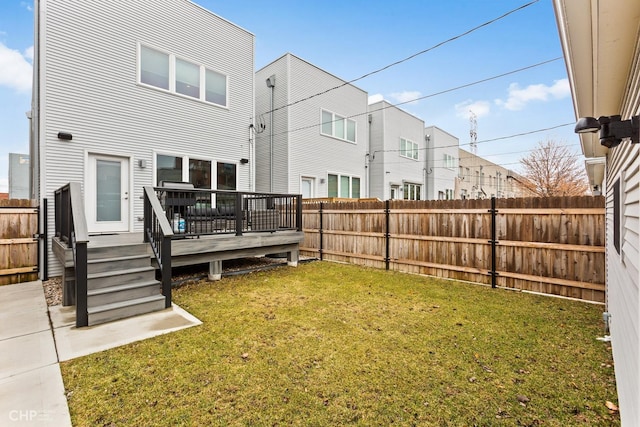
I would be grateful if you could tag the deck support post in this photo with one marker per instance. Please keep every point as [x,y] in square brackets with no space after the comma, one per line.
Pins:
[292,258]
[215,270]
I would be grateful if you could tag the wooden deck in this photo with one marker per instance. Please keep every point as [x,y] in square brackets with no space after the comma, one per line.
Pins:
[212,249]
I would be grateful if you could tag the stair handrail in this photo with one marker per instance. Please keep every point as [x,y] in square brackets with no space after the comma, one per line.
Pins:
[158,233]
[71,226]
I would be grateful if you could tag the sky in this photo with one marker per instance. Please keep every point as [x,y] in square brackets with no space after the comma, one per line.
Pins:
[350,39]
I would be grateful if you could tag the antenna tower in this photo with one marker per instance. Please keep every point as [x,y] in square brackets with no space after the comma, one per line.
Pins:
[473,132]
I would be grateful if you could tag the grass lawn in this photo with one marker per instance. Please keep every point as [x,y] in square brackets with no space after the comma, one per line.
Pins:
[331,344]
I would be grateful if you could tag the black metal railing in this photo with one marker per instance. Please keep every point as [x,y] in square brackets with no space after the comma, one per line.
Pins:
[196,212]
[158,233]
[71,228]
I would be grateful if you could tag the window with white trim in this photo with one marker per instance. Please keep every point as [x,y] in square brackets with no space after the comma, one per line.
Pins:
[408,149]
[337,126]
[411,191]
[449,161]
[176,75]
[343,186]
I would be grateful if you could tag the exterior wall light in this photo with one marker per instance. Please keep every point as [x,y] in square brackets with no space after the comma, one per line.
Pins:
[612,129]
[65,136]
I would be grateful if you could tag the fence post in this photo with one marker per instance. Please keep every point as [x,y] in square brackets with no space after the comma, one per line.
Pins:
[44,239]
[493,242]
[386,234]
[321,239]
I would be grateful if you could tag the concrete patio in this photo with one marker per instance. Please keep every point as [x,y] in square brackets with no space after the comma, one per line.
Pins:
[34,338]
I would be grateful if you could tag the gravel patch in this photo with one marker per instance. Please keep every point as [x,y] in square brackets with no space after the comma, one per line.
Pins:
[181,275]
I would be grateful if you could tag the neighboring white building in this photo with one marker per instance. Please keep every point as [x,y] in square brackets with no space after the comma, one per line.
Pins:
[442,163]
[602,51]
[312,145]
[397,153]
[19,168]
[128,94]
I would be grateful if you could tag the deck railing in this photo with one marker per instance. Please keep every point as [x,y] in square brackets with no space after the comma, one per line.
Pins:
[158,233]
[71,227]
[196,212]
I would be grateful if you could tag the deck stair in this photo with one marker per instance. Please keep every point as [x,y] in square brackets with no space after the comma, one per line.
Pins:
[121,283]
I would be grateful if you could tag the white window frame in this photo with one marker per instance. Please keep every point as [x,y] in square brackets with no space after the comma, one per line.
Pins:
[185,166]
[351,178]
[410,149]
[345,129]
[449,161]
[172,77]
[408,194]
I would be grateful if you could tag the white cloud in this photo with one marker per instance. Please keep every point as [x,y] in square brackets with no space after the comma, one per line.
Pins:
[27,6]
[28,53]
[407,96]
[16,70]
[519,98]
[480,108]
[375,98]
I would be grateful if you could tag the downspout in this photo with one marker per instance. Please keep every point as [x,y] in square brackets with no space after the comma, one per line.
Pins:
[367,159]
[34,147]
[34,114]
[427,140]
[271,83]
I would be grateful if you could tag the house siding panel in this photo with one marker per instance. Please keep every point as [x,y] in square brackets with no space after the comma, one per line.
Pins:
[299,148]
[314,154]
[89,68]
[441,178]
[391,167]
[279,68]
[623,275]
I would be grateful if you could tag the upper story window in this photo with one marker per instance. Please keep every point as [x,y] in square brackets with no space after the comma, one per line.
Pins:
[449,161]
[337,126]
[408,149]
[166,71]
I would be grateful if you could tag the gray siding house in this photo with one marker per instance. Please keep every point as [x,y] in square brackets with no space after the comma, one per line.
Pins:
[136,93]
[305,143]
[397,156]
[442,163]
[602,53]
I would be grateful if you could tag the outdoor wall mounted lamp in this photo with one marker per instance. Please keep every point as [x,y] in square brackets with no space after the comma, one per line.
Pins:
[65,135]
[244,161]
[612,129]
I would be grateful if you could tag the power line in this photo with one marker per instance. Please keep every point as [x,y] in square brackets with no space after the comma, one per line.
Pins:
[477,82]
[408,57]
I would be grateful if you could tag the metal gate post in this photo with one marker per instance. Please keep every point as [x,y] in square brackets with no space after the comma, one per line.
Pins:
[386,234]
[493,242]
[321,239]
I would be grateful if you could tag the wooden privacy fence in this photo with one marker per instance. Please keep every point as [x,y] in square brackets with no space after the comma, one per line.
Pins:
[18,241]
[549,245]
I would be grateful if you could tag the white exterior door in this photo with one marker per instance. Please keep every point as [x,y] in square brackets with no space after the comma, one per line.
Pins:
[107,194]
[306,187]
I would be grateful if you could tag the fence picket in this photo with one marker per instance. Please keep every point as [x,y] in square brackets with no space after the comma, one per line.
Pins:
[551,245]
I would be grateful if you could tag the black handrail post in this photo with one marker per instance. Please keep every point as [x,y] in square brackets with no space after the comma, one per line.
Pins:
[147,218]
[82,317]
[386,234]
[299,212]
[321,237]
[44,239]
[166,270]
[239,214]
[493,242]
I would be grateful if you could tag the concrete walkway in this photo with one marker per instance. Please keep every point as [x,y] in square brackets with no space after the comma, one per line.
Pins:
[34,338]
